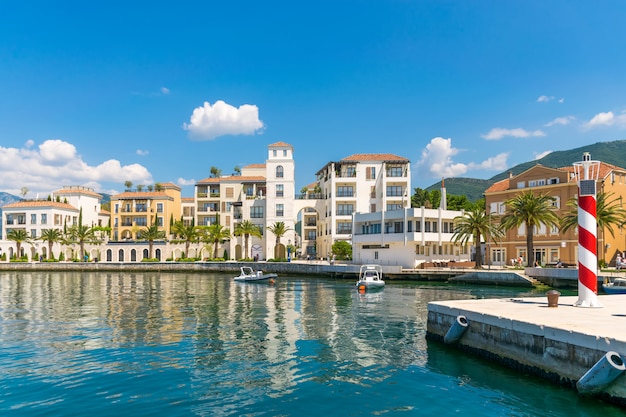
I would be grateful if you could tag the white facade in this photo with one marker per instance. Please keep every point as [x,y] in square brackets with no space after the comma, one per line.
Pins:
[407,237]
[361,183]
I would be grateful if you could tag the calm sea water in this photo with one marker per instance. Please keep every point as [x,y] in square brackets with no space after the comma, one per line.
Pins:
[77,344]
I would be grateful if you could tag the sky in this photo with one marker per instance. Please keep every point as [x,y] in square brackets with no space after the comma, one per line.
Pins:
[100,93]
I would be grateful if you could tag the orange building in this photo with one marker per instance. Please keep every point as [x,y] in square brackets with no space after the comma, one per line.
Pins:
[550,245]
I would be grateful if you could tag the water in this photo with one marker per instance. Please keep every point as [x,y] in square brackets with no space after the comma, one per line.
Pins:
[76,344]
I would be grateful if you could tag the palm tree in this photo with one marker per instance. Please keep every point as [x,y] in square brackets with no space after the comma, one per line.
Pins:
[188,233]
[81,234]
[216,234]
[19,236]
[279,229]
[474,224]
[247,229]
[608,213]
[128,185]
[532,211]
[51,236]
[152,233]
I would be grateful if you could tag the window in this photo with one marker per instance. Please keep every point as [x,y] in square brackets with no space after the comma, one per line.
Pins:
[140,221]
[344,228]
[418,226]
[345,191]
[117,208]
[33,233]
[434,227]
[398,227]
[280,210]
[274,152]
[279,190]
[351,171]
[159,221]
[159,207]
[394,206]
[279,171]
[310,235]
[521,184]
[394,171]
[394,191]
[553,180]
[370,173]
[33,219]
[284,152]
[532,183]
[426,227]
[556,202]
[256,212]
[345,209]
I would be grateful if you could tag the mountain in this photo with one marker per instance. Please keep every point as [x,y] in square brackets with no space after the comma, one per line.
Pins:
[610,152]
[6,198]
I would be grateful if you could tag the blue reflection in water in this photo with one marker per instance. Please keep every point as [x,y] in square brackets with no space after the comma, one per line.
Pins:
[201,344]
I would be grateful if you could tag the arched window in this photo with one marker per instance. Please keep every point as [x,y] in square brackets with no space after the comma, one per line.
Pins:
[158,254]
[120,255]
[109,255]
[133,255]
[279,171]
[145,253]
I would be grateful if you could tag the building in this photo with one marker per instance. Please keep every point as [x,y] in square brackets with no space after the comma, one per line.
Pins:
[133,211]
[553,244]
[360,183]
[63,209]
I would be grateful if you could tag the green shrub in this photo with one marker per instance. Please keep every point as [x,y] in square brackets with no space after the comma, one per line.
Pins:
[149,260]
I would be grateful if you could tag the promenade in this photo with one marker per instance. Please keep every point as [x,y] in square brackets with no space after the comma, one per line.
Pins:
[559,343]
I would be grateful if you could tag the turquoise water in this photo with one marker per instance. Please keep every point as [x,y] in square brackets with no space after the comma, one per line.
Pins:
[202,345]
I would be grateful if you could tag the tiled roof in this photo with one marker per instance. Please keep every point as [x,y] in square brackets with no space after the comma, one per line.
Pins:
[375,157]
[255,166]
[40,203]
[65,191]
[140,195]
[501,185]
[233,178]
[187,199]
[279,144]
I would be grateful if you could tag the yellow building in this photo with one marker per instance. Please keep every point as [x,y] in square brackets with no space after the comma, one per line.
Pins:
[552,245]
[132,211]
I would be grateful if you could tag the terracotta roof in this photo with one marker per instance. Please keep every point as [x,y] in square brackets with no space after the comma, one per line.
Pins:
[187,199]
[140,195]
[375,157]
[233,178]
[279,144]
[255,166]
[170,185]
[40,203]
[501,185]
[83,191]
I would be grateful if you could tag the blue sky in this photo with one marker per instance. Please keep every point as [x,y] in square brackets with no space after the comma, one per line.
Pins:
[98,93]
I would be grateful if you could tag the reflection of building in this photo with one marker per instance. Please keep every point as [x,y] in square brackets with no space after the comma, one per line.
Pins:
[552,245]
[361,183]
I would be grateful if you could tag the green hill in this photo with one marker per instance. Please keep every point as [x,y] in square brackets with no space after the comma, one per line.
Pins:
[610,152]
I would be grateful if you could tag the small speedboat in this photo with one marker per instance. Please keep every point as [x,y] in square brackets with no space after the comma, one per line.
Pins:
[248,274]
[616,286]
[370,277]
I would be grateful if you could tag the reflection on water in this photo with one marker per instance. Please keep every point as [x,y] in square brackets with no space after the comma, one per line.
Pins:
[180,344]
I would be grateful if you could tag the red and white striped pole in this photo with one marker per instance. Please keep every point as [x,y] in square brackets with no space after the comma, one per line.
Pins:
[587,174]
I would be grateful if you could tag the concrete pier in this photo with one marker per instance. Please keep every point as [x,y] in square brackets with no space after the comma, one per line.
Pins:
[559,343]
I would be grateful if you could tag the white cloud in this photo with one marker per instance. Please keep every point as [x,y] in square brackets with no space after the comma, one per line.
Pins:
[182,182]
[498,133]
[165,90]
[56,163]
[560,121]
[606,119]
[495,163]
[209,122]
[561,100]
[142,152]
[544,99]
[539,155]
[437,162]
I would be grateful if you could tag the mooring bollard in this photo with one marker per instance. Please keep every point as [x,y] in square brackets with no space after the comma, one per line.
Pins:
[456,330]
[553,298]
[609,367]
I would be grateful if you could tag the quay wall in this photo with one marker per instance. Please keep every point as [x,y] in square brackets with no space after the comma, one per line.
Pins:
[557,353]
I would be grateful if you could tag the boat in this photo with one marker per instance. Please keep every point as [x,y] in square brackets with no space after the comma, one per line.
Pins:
[248,274]
[370,277]
[616,286]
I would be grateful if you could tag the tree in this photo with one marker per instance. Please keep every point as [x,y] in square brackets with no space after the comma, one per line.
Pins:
[279,229]
[215,172]
[18,236]
[216,234]
[247,229]
[128,185]
[608,213]
[152,233]
[474,224]
[140,187]
[237,171]
[24,191]
[342,249]
[51,236]
[188,233]
[81,234]
[158,187]
[532,211]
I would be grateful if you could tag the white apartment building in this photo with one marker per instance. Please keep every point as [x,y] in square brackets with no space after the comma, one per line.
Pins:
[361,183]
[408,237]
[63,210]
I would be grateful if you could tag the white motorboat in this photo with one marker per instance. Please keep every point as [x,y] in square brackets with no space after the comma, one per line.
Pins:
[616,286]
[370,277]
[248,274]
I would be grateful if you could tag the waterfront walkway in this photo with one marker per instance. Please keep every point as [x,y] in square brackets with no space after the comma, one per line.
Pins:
[560,343]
